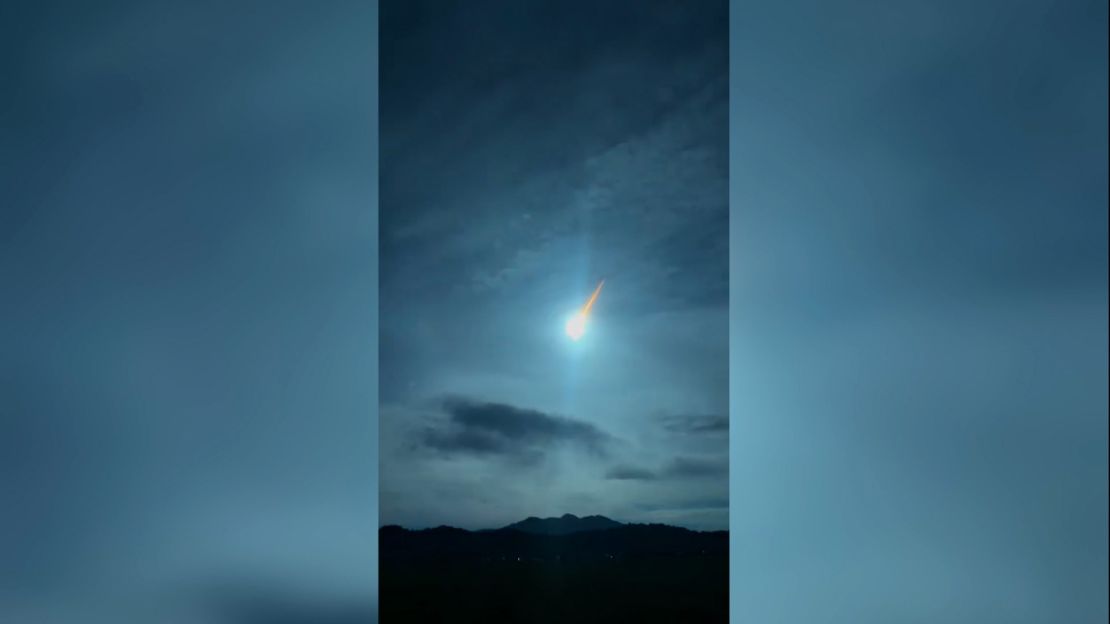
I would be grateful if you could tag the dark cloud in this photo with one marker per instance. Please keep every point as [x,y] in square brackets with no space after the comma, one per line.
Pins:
[697,424]
[480,428]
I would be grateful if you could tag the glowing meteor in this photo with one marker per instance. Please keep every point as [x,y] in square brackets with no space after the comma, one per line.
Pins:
[576,324]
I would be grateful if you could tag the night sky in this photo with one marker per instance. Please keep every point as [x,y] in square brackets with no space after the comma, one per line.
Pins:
[526,154]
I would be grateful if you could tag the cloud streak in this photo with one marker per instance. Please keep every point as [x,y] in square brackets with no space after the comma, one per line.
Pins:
[711,424]
[679,468]
[497,429]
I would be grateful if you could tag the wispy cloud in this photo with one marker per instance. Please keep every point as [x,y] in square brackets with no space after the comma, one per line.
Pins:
[499,429]
[679,468]
[717,423]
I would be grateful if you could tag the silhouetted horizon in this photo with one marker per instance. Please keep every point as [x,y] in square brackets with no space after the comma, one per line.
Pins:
[517,525]
[542,570]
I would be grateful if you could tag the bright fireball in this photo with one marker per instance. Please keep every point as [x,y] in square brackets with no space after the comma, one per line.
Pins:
[576,324]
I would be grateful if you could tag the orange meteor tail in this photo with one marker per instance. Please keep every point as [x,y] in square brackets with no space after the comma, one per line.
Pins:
[593,298]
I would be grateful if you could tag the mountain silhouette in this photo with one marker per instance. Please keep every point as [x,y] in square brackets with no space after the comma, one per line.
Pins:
[564,525]
[564,569]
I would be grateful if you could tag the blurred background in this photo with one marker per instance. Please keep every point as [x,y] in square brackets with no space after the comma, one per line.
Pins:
[188,302]
[918,355]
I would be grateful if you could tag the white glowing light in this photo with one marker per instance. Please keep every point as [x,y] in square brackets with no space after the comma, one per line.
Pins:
[576,326]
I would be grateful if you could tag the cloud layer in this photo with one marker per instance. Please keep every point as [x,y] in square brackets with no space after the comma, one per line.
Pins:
[479,428]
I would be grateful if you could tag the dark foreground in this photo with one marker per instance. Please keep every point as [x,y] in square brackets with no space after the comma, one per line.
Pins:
[636,573]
